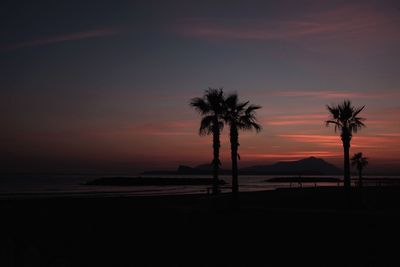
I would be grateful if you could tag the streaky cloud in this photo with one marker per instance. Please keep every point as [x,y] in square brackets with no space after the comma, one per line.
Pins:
[333,94]
[372,141]
[292,155]
[346,21]
[63,38]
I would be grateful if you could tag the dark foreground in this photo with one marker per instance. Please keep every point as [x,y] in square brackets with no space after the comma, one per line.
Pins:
[294,227]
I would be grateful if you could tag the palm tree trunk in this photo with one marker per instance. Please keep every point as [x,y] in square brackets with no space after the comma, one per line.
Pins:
[360,178]
[216,162]
[234,138]
[346,148]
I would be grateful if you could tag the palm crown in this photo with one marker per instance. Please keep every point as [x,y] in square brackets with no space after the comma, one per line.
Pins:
[359,161]
[241,114]
[345,117]
[210,106]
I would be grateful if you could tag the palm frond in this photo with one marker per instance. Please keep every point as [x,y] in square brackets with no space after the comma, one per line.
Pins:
[200,105]
[337,124]
[241,106]
[252,108]
[334,111]
[359,161]
[256,127]
[231,101]
[206,125]
[358,110]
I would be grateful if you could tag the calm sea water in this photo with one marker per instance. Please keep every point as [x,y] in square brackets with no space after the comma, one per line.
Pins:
[60,185]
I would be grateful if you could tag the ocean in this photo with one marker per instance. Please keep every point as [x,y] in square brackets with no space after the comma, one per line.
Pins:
[69,185]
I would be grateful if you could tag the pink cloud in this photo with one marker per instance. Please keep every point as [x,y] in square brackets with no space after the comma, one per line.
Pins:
[330,94]
[163,133]
[304,119]
[383,122]
[63,38]
[185,124]
[390,135]
[295,122]
[311,137]
[333,140]
[244,29]
[347,21]
[301,116]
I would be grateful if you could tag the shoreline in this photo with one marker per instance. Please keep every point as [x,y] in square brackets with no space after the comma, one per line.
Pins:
[284,195]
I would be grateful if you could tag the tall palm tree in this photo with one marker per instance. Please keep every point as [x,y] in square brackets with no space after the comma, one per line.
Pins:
[345,118]
[210,106]
[239,116]
[359,162]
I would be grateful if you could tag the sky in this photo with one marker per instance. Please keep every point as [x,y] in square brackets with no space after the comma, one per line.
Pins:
[92,86]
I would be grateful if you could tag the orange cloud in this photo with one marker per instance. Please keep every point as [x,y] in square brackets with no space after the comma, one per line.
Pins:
[390,135]
[358,141]
[383,122]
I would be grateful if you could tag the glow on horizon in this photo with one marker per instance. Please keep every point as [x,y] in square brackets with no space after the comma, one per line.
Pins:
[94,93]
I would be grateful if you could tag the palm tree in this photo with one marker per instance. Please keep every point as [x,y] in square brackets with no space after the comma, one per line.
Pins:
[360,162]
[345,118]
[239,116]
[210,106]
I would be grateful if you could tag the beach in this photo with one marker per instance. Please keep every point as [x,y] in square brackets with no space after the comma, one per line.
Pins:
[313,226]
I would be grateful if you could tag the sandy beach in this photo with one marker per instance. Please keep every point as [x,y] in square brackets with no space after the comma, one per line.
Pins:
[313,226]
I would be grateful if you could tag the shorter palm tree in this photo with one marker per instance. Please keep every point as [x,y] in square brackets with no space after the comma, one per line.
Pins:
[239,116]
[359,162]
[345,118]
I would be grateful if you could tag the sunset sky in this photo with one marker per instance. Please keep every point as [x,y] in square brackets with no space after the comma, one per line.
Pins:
[106,85]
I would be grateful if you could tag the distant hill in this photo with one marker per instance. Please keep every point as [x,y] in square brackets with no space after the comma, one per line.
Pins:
[307,166]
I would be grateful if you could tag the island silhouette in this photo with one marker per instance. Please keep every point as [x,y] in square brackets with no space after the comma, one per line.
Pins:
[306,166]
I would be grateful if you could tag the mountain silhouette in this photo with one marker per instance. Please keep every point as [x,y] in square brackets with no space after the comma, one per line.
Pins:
[200,169]
[307,166]
[311,165]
